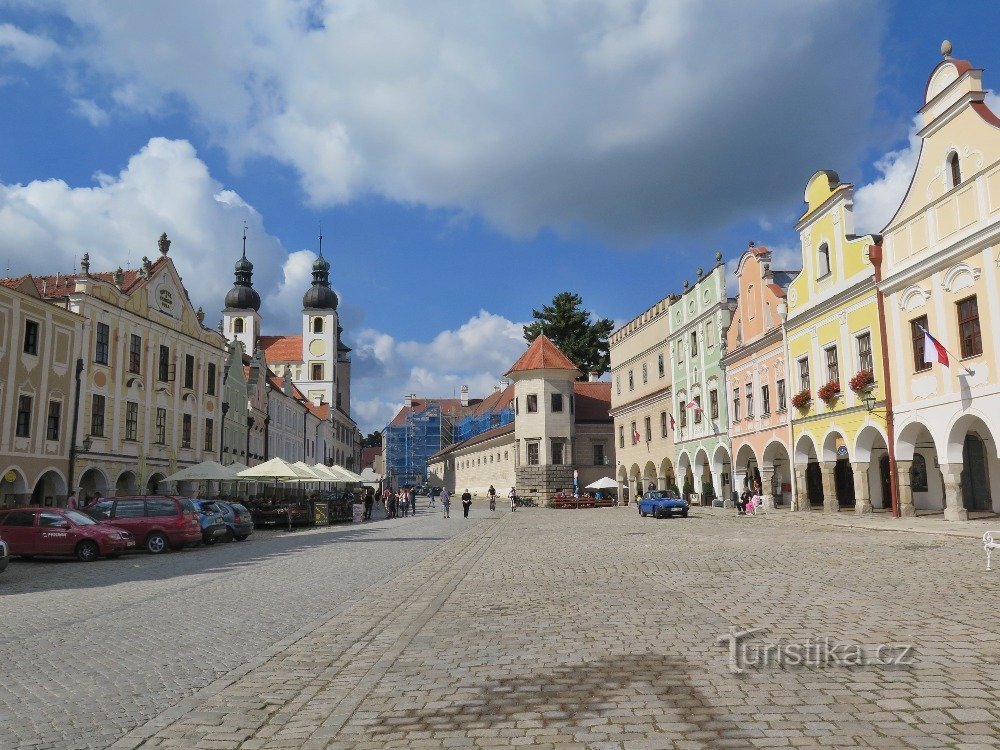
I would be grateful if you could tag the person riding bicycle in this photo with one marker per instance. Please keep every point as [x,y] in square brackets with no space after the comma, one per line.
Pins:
[513,498]
[493,497]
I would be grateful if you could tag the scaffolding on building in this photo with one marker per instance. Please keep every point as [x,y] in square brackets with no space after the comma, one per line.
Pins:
[409,445]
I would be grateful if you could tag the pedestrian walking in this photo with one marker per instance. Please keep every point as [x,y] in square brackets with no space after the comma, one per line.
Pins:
[431,493]
[513,498]
[492,492]
[71,503]
[392,504]
[446,502]
[369,504]
[466,502]
[404,502]
[412,496]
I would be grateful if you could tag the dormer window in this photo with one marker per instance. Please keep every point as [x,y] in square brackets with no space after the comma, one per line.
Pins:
[824,260]
[317,325]
[954,169]
[238,325]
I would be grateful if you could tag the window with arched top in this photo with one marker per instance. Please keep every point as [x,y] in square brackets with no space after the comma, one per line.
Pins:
[238,325]
[954,169]
[317,325]
[824,260]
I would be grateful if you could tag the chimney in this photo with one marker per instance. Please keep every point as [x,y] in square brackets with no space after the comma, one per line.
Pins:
[496,389]
[317,401]
[465,395]
[593,377]
[408,401]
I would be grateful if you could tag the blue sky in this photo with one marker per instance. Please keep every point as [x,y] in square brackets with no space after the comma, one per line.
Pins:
[466,162]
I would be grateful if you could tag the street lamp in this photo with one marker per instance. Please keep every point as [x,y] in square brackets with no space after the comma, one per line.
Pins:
[869,401]
[86,443]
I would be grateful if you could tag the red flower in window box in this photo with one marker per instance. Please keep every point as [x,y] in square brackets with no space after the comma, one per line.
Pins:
[801,399]
[862,381]
[830,391]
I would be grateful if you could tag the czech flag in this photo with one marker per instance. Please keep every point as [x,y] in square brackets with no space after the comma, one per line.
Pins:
[636,437]
[934,351]
[693,405]
[672,423]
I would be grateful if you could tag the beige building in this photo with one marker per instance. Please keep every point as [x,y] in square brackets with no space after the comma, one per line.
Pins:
[151,389]
[38,373]
[641,401]
[561,435]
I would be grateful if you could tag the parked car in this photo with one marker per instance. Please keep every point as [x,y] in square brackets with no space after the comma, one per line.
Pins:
[213,525]
[4,555]
[239,524]
[156,521]
[59,531]
[659,503]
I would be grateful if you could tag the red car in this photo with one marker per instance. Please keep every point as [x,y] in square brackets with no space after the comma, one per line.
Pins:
[155,521]
[58,531]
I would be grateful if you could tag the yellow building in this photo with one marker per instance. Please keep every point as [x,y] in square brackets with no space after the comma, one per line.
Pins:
[833,337]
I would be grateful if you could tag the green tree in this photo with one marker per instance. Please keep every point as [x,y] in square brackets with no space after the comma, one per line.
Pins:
[372,441]
[570,328]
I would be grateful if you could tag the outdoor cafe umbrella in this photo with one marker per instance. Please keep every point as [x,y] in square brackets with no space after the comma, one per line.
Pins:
[273,469]
[604,483]
[349,476]
[206,471]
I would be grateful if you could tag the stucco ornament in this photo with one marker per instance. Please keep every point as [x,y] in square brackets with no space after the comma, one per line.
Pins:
[960,276]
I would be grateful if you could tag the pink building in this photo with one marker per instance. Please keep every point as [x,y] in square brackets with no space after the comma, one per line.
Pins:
[755,379]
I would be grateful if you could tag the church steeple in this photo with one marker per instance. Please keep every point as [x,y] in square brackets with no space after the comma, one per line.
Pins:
[243,296]
[320,296]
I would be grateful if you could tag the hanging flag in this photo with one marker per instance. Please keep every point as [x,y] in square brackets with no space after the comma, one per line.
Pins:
[934,350]
[672,423]
[693,405]
[636,437]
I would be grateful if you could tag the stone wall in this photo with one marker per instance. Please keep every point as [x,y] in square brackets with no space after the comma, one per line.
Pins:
[541,482]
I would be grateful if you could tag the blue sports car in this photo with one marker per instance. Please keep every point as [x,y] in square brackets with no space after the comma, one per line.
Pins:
[659,503]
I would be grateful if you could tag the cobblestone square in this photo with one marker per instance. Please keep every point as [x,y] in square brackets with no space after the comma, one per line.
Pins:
[600,629]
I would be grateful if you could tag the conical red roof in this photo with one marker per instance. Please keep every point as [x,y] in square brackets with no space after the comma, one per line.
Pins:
[543,355]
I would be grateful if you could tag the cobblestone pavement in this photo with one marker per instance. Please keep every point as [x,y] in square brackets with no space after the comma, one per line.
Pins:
[576,629]
[91,651]
[599,629]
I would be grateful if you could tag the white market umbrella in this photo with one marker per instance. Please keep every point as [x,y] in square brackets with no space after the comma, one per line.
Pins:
[206,471]
[604,483]
[273,469]
[349,476]
[326,473]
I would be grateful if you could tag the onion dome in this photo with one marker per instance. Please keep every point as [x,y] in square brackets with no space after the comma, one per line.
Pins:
[320,296]
[243,296]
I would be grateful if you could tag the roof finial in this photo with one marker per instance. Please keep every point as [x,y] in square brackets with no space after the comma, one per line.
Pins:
[752,243]
[84,264]
[164,244]
[321,239]
[244,239]
[946,49]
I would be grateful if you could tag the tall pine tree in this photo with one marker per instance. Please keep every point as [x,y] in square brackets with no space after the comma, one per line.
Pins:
[570,328]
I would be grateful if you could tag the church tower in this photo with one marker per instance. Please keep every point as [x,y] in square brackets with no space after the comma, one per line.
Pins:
[320,335]
[240,317]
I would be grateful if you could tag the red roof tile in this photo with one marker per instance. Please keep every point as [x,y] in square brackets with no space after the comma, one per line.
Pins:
[593,401]
[452,406]
[281,348]
[496,401]
[542,355]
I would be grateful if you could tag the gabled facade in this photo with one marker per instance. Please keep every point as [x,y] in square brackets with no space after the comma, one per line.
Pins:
[642,401]
[756,382]
[833,333]
[940,273]
[151,392]
[698,321]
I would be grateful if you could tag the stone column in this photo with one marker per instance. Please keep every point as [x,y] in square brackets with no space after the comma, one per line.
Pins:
[801,499]
[830,504]
[904,488]
[862,492]
[953,508]
[766,485]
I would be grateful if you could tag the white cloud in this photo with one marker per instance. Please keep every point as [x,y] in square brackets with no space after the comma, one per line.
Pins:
[48,225]
[28,49]
[876,202]
[89,110]
[627,119]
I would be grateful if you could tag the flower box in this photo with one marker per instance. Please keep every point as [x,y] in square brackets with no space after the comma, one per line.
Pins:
[801,399]
[862,381]
[830,391]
